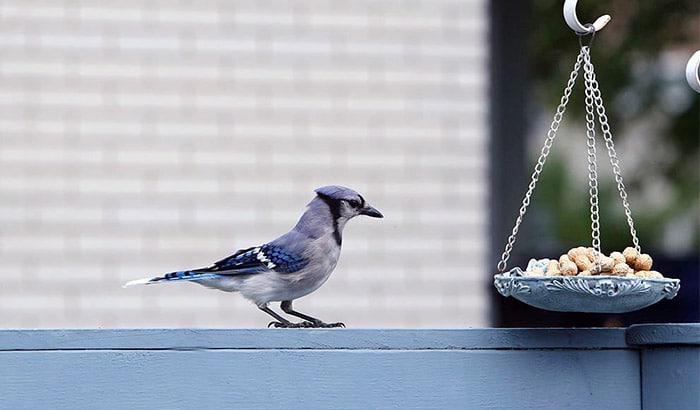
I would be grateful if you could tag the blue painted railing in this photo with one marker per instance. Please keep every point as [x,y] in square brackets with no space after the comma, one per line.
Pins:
[642,367]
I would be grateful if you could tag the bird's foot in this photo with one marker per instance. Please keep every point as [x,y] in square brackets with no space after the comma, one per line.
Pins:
[305,324]
[328,325]
[290,325]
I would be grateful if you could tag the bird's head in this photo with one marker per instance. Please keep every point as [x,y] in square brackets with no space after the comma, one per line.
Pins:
[346,203]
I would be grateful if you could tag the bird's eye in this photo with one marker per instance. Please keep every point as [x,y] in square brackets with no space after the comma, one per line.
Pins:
[354,203]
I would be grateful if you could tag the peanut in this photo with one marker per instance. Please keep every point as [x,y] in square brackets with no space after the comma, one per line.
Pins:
[621,269]
[590,252]
[649,274]
[568,269]
[582,262]
[573,253]
[553,268]
[630,255]
[643,262]
[618,257]
[655,275]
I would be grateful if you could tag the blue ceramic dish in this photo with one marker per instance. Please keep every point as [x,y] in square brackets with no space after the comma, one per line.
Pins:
[594,294]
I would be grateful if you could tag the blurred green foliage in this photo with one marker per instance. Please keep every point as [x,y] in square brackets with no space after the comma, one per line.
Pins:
[636,58]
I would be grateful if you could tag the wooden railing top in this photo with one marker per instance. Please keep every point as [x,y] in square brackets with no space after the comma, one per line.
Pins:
[389,339]
[396,339]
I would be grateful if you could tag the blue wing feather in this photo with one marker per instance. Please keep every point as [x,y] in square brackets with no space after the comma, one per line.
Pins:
[245,261]
[265,257]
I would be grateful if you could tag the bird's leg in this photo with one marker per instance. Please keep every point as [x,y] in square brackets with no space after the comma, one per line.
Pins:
[286,306]
[281,322]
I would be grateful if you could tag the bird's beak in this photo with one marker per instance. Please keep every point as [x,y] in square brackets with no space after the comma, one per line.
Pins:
[370,211]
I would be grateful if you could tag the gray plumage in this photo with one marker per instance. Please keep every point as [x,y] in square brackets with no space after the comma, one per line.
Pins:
[289,267]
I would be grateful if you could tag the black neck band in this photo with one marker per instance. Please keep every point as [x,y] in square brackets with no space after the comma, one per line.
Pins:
[334,207]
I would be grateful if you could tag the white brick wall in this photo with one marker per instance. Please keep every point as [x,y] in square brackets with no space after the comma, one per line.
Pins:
[138,138]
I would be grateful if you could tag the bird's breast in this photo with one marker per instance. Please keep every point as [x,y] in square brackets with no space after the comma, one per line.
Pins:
[323,257]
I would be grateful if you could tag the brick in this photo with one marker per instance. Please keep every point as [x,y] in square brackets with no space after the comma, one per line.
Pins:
[71,215]
[22,10]
[56,156]
[38,184]
[94,14]
[193,186]
[75,42]
[109,243]
[262,18]
[110,186]
[59,274]
[94,69]
[146,157]
[14,214]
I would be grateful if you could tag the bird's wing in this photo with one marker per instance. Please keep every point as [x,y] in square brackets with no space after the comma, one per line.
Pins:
[264,258]
[257,259]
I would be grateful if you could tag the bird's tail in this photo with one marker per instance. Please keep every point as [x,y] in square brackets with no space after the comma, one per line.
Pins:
[183,275]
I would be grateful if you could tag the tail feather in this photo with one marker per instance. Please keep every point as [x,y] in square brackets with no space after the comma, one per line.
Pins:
[186,275]
[136,282]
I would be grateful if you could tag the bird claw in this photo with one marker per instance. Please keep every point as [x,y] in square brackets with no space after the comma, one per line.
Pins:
[336,324]
[279,324]
[305,324]
[290,325]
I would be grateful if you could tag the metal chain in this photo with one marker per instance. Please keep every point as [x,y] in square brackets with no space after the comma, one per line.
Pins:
[551,134]
[614,161]
[592,159]
[594,105]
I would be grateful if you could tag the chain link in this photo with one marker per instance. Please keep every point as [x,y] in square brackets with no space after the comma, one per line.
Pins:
[551,134]
[612,154]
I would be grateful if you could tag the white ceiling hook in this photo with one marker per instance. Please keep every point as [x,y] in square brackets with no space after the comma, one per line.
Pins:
[692,71]
[573,22]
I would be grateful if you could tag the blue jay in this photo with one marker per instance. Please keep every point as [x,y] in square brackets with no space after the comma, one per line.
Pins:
[291,266]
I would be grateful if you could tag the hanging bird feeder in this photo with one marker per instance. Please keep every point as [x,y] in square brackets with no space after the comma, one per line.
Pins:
[584,279]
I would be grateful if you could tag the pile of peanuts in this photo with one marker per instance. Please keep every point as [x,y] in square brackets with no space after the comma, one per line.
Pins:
[580,261]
